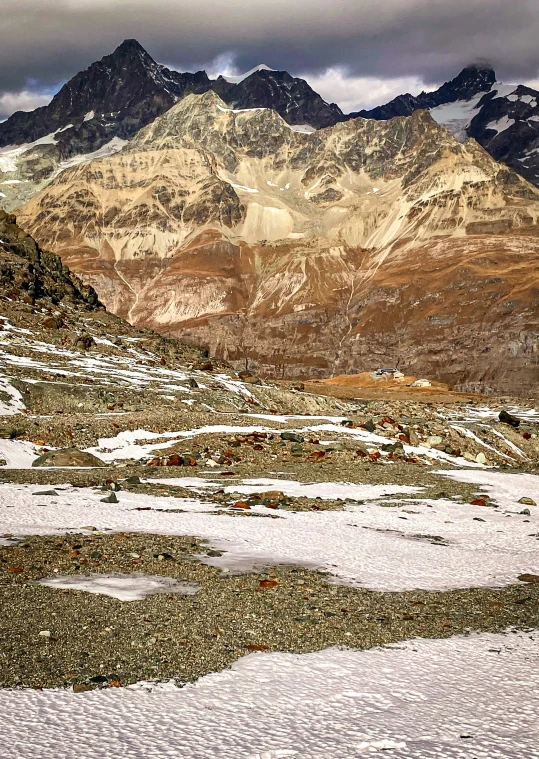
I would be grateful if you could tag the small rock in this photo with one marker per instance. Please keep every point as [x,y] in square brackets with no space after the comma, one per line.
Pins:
[193,383]
[68,457]
[203,365]
[251,379]
[481,458]
[413,438]
[111,498]
[292,437]
[529,578]
[370,426]
[527,501]
[45,634]
[83,687]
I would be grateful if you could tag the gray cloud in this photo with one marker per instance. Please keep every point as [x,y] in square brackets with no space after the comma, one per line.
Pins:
[47,41]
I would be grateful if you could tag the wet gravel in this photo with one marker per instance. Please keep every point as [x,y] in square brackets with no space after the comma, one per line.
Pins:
[98,641]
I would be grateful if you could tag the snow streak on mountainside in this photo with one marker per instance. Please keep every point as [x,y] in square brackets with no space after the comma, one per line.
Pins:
[367,242]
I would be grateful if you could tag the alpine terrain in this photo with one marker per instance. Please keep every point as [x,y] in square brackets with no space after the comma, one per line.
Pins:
[98,109]
[269,436]
[503,118]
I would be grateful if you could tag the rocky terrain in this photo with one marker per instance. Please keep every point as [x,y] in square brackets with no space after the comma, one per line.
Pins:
[370,242]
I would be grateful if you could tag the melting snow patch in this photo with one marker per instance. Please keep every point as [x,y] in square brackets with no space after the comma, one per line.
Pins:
[501,125]
[505,489]
[134,587]
[10,398]
[242,187]
[339,491]
[410,701]
[18,454]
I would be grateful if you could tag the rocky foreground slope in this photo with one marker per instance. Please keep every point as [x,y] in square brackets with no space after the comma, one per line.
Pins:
[367,243]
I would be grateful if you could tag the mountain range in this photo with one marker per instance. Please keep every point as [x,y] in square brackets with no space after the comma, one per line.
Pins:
[100,108]
[249,215]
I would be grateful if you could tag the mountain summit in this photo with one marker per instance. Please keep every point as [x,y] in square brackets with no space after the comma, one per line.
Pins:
[114,97]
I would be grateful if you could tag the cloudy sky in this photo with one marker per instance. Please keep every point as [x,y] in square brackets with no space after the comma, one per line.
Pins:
[357,53]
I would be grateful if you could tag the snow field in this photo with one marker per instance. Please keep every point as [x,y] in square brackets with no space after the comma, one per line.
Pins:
[459,698]
[131,587]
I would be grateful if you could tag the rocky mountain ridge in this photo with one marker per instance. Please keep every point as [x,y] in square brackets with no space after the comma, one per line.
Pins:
[504,119]
[469,82]
[97,110]
[360,241]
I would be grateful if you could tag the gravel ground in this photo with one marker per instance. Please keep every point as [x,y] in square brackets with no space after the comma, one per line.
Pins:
[98,641]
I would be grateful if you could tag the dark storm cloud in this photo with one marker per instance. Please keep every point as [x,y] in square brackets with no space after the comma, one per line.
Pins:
[47,41]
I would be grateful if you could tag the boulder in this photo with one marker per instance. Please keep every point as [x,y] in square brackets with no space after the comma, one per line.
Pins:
[68,457]
[251,379]
[292,437]
[506,418]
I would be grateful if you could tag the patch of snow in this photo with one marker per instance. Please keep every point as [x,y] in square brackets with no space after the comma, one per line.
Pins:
[105,151]
[324,490]
[13,404]
[18,454]
[505,488]
[89,116]
[302,128]
[501,124]
[132,587]
[241,77]
[242,187]
[408,701]
[456,116]
[240,110]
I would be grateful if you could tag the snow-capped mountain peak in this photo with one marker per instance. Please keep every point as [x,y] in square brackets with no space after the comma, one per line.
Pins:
[240,78]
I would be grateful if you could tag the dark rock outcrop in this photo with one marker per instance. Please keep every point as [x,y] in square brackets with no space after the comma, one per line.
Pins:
[29,273]
[114,97]
[291,97]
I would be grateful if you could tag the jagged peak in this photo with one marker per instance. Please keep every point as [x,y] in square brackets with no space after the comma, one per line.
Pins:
[130,45]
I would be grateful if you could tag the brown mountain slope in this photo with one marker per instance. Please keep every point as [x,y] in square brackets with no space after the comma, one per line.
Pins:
[309,254]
